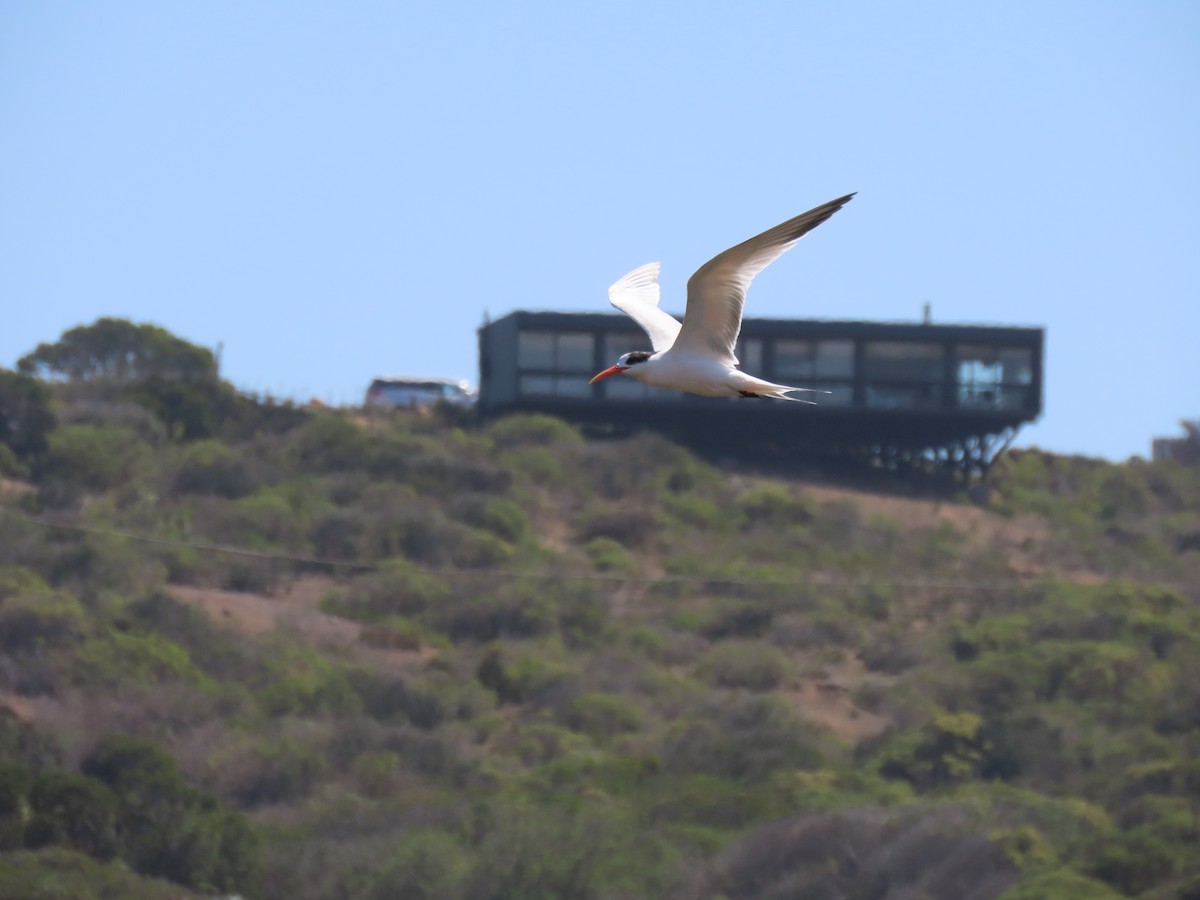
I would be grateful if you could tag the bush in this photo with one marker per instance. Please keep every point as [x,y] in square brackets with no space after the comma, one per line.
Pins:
[56,873]
[72,811]
[25,416]
[427,864]
[927,852]
[511,609]
[496,515]
[515,677]
[608,556]
[167,828]
[772,508]
[751,665]
[115,657]
[534,431]
[1060,884]
[10,466]
[397,588]
[34,617]
[97,457]
[296,679]
[602,716]
[950,748]
[629,528]
[272,771]
[329,442]
[213,468]
[743,736]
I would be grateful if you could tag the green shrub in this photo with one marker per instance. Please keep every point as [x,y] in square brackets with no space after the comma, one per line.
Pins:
[751,665]
[72,811]
[502,517]
[189,408]
[602,716]
[97,457]
[537,465]
[297,679]
[515,676]
[509,609]
[548,849]
[56,873]
[10,466]
[1060,884]
[532,430]
[392,633]
[772,507]
[626,527]
[25,417]
[116,657]
[697,512]
[329,442]
[210,467]
[1136,860]
[742,736]
[583,614]
[397,588]
[168,828]
[608,555]
[427,864]
[34,617]
[271,770]
[949,749]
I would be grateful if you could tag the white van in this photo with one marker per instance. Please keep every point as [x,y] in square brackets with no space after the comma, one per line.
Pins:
[418,393]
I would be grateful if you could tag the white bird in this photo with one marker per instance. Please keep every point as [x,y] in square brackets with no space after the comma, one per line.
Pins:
[697,356]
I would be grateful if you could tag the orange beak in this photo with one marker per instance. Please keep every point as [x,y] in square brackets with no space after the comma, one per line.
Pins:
[608,373]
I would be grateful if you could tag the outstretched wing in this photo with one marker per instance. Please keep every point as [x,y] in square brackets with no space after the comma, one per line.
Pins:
[636,295]
[717,291]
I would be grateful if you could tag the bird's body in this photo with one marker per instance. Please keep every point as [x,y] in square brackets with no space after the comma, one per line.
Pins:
[697,355]
[696,373]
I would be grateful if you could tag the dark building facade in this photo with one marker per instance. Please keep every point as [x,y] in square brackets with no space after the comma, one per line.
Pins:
[896,391]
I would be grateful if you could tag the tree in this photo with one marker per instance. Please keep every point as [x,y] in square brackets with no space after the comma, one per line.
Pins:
[120,350]
[14,806]
[25,415]
[168,828]
[72,811]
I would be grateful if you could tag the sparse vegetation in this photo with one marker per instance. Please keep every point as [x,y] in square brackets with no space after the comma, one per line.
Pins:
[380,655]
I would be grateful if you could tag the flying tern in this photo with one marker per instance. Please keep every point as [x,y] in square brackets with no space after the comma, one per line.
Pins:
[697,355]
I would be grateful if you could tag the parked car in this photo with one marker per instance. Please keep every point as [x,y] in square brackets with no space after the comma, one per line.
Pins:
[417,393]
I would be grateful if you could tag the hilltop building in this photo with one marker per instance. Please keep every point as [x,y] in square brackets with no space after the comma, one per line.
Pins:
[954,395]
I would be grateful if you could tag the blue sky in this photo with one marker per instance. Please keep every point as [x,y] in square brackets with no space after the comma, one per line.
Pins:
[342,190]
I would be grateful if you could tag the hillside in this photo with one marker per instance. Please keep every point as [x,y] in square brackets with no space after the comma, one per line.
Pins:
[249,648]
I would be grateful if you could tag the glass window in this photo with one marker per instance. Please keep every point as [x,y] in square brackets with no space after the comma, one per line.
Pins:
[564,352]
[903,361]
[814,359]
[575,353]
[572,386]
[535,350]
[1009,365]
[554,386]
[795,359]
[835,359]
[537,385]
[991,377]
[916,396]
